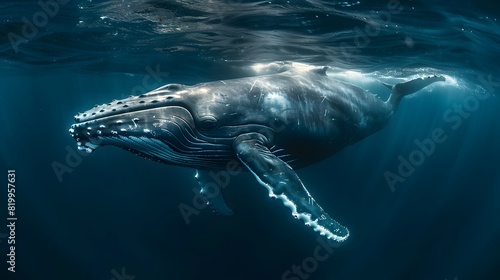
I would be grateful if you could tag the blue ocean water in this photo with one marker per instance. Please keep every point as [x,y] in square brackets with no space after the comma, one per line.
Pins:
[113,215]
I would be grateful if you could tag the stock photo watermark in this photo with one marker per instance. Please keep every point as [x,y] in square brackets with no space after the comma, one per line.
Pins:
[224,8]
[210,190]
[310,264]
[31,27]
[454,117]
[122,275]
[153,74]
[73,159]
[363,37]
[11,220]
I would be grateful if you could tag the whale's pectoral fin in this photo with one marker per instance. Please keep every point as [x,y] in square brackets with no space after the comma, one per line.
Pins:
[282,182]
[402,89]
[213,193]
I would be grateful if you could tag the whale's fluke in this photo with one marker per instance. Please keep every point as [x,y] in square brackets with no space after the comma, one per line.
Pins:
[402,89]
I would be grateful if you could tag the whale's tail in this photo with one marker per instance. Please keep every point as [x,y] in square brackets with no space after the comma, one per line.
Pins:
[406,88]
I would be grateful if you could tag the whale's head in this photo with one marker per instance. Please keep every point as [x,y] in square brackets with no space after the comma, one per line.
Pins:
[168,125]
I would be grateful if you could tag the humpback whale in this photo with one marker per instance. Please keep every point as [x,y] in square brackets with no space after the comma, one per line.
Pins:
[271,125]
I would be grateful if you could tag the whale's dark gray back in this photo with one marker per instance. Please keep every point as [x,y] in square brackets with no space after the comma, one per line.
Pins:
[309,115]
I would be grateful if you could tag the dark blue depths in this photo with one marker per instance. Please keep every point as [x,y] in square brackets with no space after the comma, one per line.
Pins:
[116,215]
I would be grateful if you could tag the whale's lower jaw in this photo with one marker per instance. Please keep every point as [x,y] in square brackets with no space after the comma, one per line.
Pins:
[161,151]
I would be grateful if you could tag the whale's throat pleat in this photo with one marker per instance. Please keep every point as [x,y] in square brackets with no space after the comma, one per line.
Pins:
[162,151]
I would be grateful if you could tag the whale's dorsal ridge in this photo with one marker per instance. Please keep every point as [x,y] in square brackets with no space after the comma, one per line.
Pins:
[278,67]
[304,68]
[321,70]
[171,87]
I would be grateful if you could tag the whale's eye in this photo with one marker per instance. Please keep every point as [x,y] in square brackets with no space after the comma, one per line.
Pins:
[208,122]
